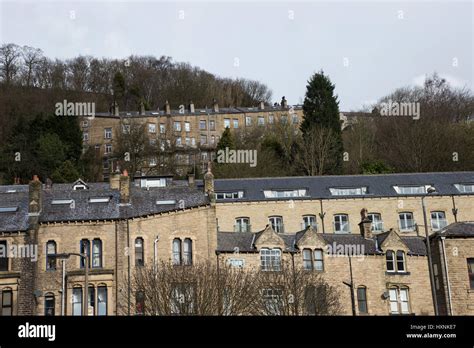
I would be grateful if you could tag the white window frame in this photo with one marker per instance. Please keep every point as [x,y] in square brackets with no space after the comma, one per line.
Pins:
[344,226]
[270,259]
[377,222]
[108,133]
[405,227]
[399,304]
[439,222]
[152,128]
[242,224]
[276,221]
[307,221]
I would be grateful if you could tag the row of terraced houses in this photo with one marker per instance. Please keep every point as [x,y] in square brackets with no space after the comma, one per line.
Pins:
[245,223]
[188,134]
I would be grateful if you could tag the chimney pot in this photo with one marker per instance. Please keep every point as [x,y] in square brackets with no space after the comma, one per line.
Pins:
[167,108]
[262,105]
[191,107]
[215,105]
[284,103]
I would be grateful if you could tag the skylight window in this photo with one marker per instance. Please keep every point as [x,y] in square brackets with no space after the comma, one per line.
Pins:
[8,209]
[284,193]
[348,191]
[166,202]
[99,200]
[465,188]
[62,201]
[230,195]
[411,190]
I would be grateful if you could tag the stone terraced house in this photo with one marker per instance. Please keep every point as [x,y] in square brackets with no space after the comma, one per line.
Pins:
[367,231]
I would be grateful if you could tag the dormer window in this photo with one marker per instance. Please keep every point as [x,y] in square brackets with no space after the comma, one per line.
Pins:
[285,193]
[230,195]
[348,191]
[411,190]
[79,185]
[465,188]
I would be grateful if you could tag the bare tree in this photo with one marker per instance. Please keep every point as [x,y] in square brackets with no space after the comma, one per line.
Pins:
[32,57]
[9,65]
[208,289]
[133,149]
[315,150]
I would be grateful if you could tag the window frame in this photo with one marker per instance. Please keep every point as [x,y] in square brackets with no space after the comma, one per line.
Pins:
[376,222]
[391,260]
[239,224]
[403,261]
[3,305]
[470,271]
[318,260]
[85,248]
[47,297]
[100,288]
[4,261]
[341,223]
[176,252]
[51,262]
[96,255]
[139,251]
[78,303]
[364,309]
[310,216]
[108,132]
[270,259]
[277,227]
[408,228]
[439,221]
[399,301]
[187,252]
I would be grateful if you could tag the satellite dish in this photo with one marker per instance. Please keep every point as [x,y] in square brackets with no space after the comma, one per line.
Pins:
[385,295]
[38,293]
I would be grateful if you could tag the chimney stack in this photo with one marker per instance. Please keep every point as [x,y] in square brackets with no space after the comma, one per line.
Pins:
[284,103]
[191,182]
[142,108]
[124,188]
[262,105]
[191,107]
[209,181]
[167,108]
[115,180]
[116,109]
[35,203]
[215,105]
[365,225]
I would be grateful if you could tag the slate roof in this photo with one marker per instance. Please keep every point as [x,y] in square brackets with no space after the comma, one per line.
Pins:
[14,221]
[380,185]
[197,111]
[457,230]
[142,203]
[228,241]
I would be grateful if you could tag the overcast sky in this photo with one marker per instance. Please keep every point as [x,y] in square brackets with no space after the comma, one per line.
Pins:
[368,48]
